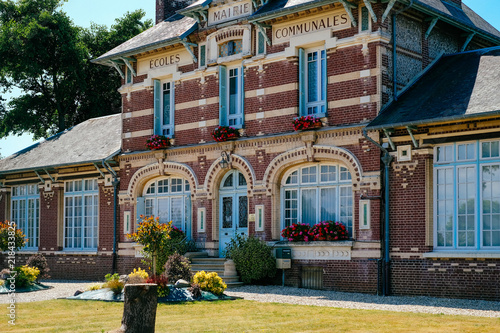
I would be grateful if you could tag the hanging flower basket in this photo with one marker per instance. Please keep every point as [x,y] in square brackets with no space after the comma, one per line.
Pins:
[306,123]
[158,142]
[225,133]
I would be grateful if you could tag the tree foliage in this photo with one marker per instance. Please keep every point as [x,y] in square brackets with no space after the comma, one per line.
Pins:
[48,58]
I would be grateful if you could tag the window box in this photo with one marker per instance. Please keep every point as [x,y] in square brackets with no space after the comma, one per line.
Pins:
[306,123]
[157,142]
[225,133]
[319,250]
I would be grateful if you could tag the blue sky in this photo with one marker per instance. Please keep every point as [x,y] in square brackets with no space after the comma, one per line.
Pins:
[83,12]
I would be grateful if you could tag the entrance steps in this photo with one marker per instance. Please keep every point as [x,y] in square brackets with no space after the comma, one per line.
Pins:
[201,262]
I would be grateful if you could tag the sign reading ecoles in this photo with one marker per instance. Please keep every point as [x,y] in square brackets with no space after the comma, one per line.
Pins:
[179,58]
[228,12]
[336,20]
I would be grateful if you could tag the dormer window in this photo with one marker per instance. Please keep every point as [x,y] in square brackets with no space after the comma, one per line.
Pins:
[230,48]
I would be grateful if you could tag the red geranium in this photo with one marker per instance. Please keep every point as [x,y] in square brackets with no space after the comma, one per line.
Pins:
[224,133]
[306,122]
[157,142]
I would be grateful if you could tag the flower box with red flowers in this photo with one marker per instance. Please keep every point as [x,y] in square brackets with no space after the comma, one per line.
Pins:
[224,133]
[306,123]
[158,142]
[297,232]
[329,231]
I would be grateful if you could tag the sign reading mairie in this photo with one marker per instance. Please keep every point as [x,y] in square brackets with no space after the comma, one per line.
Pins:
[337,20]
[231,11]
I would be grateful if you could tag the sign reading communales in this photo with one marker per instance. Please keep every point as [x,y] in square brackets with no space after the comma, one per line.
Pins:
[336,20]
[231,11]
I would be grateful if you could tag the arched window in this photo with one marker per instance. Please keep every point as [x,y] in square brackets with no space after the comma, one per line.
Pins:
[314,193]
[170,199]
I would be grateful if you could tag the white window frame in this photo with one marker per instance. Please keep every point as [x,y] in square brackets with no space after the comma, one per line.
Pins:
[129,77]
[337,184]
[152,207]
[259,38]
[83,193]
[259,218]
[453,164]
[27,194]
[203,59]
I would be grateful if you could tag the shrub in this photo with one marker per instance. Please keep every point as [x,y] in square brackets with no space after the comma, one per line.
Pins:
[25,276]
[252,257]
[39,261]
[297,232]
[210,282]
[116,286]
[9,230]
[178,267]
[177,243]
[137,276]
[94,286]
[329,231]
[162,283]
[195,290]
[153,235]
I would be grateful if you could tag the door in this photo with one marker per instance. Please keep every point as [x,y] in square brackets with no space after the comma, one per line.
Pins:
[233,208]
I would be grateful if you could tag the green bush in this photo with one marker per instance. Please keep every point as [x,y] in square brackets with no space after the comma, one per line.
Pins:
[177,243]
[252,257]
[116,286]
[25,276]
[211,282]
[38,261]
[178,267]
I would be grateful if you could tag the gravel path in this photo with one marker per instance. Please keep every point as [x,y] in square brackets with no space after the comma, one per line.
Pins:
[61,289]
[418,304]
[291,295]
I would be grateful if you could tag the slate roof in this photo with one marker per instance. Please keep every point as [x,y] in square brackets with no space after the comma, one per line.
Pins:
[465,16]
[166,33]
[91,141]
[458,86]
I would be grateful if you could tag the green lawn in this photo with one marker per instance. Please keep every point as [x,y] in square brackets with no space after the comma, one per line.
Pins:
[235,316]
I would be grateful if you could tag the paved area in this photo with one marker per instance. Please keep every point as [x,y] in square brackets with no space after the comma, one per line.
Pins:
[291,295]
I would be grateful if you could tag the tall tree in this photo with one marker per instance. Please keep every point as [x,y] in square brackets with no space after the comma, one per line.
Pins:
[46,56]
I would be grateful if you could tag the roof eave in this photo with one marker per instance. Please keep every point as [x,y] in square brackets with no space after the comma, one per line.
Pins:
[145,48]
[282,11]
[448,19]
[430,121]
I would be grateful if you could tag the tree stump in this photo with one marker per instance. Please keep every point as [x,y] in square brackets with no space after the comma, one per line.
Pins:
[139,310]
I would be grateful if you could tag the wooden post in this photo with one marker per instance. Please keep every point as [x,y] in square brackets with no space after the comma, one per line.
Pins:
[139,310]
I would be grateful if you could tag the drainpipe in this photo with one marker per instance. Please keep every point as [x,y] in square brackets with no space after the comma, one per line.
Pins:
[115,183]
[386,261]
[394,53]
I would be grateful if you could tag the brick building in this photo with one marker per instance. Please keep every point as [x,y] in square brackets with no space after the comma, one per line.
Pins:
[257,65]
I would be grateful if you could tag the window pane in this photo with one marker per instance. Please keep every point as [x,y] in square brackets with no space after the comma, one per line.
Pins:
[346,208]
[328,173]
[241,180]
[309,175]
[291,207]
[293,178]
[308,201]
[491,204]
[444,211]
[466,206]
[176,209]
[243,212]
[328,204]
[227,212]
[344,174]
[312,77]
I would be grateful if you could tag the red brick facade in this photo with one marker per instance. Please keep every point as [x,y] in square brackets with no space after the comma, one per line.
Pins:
[359,83]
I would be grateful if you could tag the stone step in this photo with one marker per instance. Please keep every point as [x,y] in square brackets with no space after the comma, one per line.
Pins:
[190,255]
[206,267]
[208,261]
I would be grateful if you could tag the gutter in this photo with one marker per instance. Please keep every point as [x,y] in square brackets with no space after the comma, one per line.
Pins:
[433,120]
[386,259]
[116,183]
